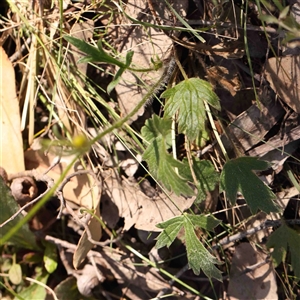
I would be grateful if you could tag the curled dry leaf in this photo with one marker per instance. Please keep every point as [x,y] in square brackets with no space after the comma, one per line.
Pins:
[127,200]
[87,280]
[24,189]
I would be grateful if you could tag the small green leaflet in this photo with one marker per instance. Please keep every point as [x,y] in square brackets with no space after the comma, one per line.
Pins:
[206,175]
[237,176]
[198,256]
[187,98]
[161,164]
[280,240]
[94,54]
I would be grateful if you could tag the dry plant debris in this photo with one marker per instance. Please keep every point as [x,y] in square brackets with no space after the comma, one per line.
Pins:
[136,117]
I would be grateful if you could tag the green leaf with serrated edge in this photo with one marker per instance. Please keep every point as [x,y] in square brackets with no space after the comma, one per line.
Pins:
[237,176]
[205,222]
[93,53]
[157,128]
[161,164]
[171,230]
[198,257]
[281,240]
[187,98]
[206,176]
[165,224]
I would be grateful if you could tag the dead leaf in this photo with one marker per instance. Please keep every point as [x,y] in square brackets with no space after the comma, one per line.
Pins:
[283,73]
[260,283]
[81,190]
[137,278]
[84,245]
[11,150]
[127,200]
[77,190]
[147,43]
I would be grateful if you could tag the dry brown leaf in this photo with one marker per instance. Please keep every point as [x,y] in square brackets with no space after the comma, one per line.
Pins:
[126,271]
[81,190]
[260,283]
[76,190]
[11,150]
[147,43]
[283,73]
[126,200]
[84,245]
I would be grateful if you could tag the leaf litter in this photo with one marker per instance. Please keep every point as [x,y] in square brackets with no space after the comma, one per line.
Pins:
[130,203]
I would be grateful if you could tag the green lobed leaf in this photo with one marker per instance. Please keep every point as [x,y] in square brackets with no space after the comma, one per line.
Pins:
[206,176]
[171,230]
[237,176]
[198,257]
[205,222]
[161,164]
[281,240]
[187,98]
[157,128]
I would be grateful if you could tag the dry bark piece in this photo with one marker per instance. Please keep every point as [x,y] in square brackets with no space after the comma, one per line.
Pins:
[283,73]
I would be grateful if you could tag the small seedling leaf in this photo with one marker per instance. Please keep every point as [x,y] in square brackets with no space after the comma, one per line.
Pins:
[93,53]
[50,257]
[237,176]
[187,98]
[161,164]
[15,274]
[281,240]
[35,290]
[115,81]
[199,258]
